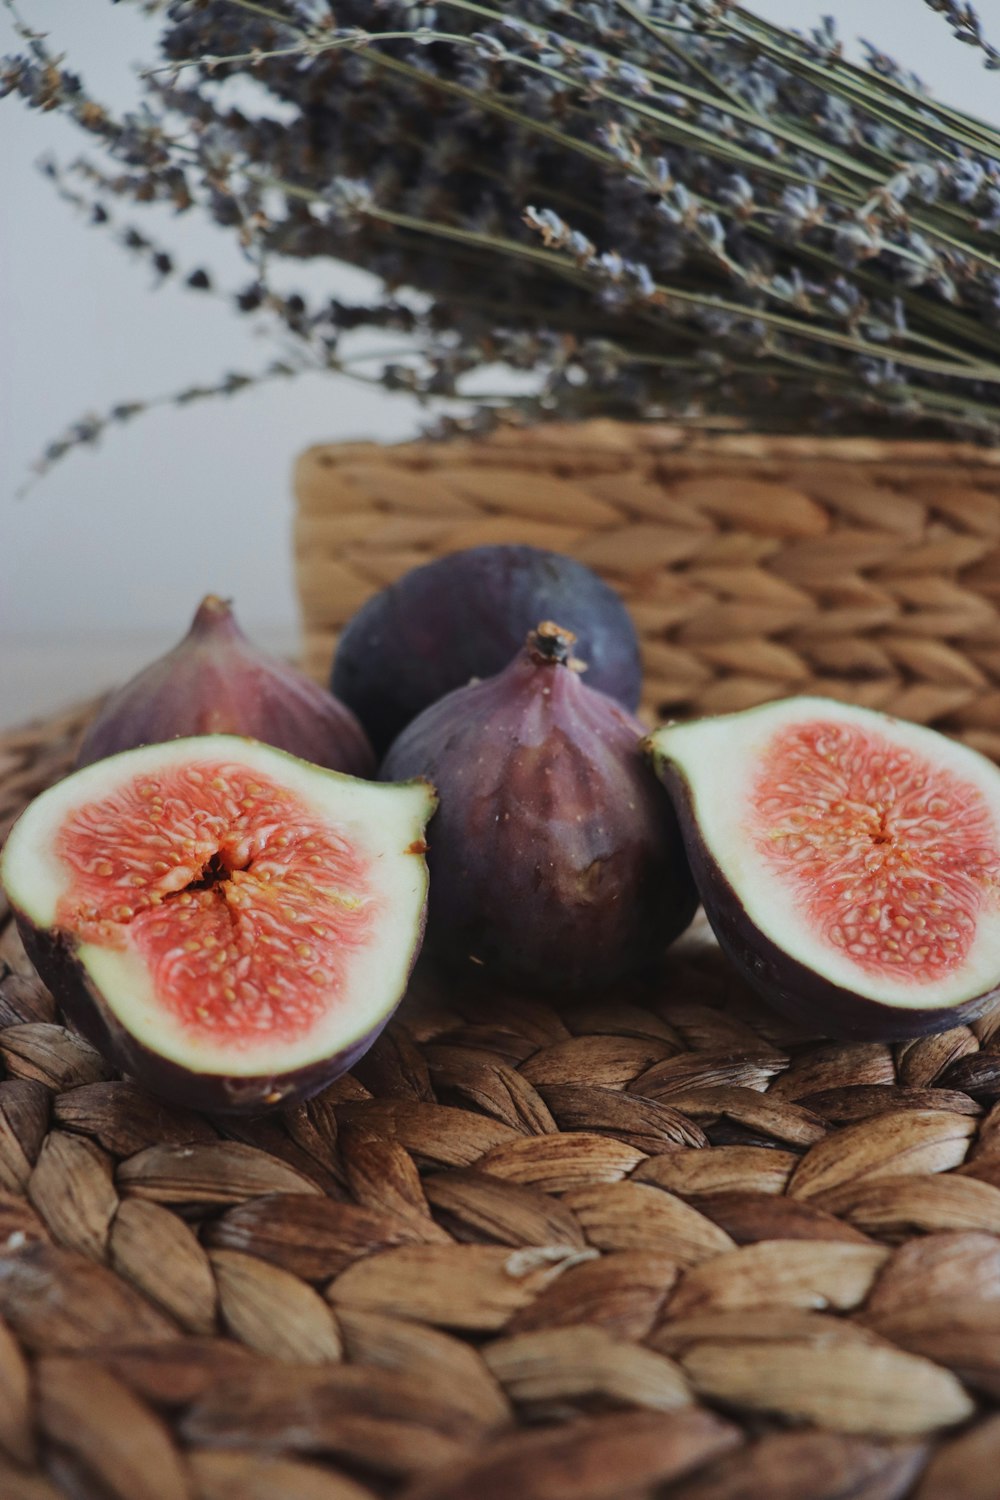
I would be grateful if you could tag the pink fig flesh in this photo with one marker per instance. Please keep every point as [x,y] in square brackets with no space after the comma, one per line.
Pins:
[849,862]
[555,858]
[228,924]
[215,681]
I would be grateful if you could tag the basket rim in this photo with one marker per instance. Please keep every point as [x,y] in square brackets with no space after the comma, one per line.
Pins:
[605,434]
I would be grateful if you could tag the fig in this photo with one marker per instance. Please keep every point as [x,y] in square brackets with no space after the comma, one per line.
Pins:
[215,681]
[555,858]
[227,923]
[464,616]
[849,862]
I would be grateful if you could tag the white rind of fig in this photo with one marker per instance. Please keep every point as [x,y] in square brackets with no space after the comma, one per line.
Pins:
[838,853]
[108,985]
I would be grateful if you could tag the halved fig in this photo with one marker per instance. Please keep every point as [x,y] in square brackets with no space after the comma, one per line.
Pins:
[849,862]
[229,924]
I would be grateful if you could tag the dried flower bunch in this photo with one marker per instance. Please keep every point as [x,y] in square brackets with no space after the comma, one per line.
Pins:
[655,207]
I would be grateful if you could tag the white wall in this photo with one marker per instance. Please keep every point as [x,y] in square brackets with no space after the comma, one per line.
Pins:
[104,560]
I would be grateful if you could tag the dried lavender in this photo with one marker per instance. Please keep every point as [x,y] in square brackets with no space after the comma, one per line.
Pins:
[967,27]
[660,208]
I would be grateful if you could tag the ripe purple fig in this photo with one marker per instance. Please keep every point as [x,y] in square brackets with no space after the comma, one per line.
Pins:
[215,681]
[463,616]
[555,857]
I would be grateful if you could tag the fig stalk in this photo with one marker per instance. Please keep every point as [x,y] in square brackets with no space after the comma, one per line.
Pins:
[551,644]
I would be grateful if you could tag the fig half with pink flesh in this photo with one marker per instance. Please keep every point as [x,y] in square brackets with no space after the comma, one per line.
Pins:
[849,862]
[228,924]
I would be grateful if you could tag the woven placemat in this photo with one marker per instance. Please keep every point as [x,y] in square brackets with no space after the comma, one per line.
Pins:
[654,1245]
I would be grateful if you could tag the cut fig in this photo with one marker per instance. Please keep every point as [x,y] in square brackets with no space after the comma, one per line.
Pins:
[229,924]
[849,862]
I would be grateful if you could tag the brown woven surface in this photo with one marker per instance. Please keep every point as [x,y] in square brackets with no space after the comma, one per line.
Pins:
[754,567]
[652,1246]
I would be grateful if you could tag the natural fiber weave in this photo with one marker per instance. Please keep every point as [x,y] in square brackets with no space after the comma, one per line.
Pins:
[753,566]
[655,1245]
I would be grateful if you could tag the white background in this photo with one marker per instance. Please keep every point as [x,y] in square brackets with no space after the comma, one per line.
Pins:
[102,563]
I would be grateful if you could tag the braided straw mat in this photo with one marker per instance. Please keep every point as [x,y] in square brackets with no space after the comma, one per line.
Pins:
[655,1246]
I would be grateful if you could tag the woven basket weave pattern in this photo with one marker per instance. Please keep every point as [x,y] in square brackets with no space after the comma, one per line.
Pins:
[753,567]
[655,1247]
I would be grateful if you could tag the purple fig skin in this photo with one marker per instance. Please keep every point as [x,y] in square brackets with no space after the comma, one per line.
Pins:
[86,1010]
[555,857]
[464,616]
[802,994]
[215,681]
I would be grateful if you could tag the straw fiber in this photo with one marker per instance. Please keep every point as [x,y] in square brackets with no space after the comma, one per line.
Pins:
[656,1246]
[754,567]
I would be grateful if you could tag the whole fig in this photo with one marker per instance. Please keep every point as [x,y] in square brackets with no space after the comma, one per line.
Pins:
[463,616]
[556,860]
[215,681]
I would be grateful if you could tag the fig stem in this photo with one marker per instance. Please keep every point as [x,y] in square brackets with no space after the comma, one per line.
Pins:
[551,645]
[213,607]
[214,621]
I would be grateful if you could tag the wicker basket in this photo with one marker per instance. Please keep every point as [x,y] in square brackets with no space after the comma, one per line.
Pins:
[655,1246]
[753,567]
